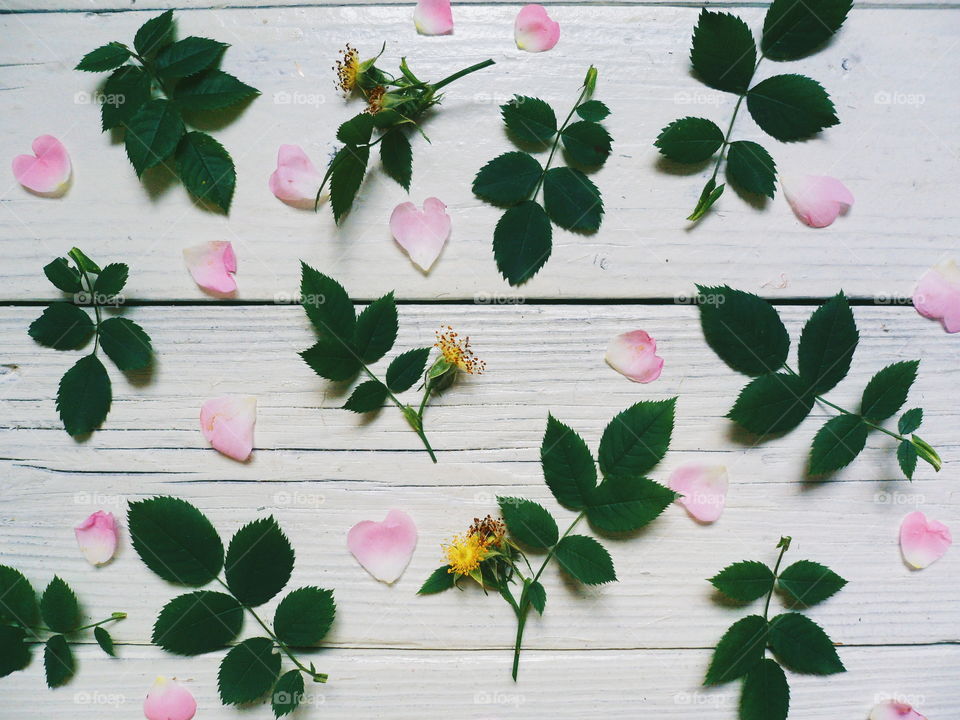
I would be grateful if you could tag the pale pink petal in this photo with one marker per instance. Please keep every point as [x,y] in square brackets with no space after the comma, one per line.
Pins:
[295,181]
[97,537]
[937,295]
[634,355]
[227,423]
[816,200]
[169,700]
[422,233]
[47,171]
[534,31]
[703,490]
[923,541]
[384,548]
[211,264]
[893,710]
[433,17]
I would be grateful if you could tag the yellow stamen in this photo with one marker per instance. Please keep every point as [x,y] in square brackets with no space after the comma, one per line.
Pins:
[456,351]
[347,69]
[465,553]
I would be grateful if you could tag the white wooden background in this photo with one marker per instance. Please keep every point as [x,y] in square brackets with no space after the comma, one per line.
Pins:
[635,648]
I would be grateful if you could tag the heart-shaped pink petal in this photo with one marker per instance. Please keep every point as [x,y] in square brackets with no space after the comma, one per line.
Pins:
[703,490]
[169,700]
[634,355]
[533,29]
[227,423]
[295,181]
[212,264]
[817,200]
[422,233]
[433,17]
[384,548]
[893,710]
[937,295]
[47,171]
[97,537]
[923,541]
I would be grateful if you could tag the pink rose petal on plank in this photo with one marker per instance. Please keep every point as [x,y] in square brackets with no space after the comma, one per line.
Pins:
[937,295]
[892,710]
[97,537]
[816,200]
[634,355]
[295,181]
[227,423]
[212,264]
[47,171]
[533,29]
[384,548]
[703,490]
[422,233]
[169,700]
[433,17]
[923,541]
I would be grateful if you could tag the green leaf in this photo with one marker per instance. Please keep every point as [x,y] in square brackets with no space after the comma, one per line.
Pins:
[809,583]
[126,343]
[622,504]
[376,329]
[405,369]
[744,581]
[211,90]
[62,326]
[175,540]
[765,695]
[572,200]
[327,304]
[153,134]
[910,421]
[397,157]
[14,651]
[332,359]
[287,694]
[357,130]
[708,196]
[248,671]
[637,439]
[188,56]
[348,169]
[750,167]
[124,93]
[522,242]
[367,397]
[18,601]
[803,646]
[690,140]
[62,275]
[259,562]
[112,279]
[83,262]
[206,169]
[739,650]
[440,579]
[837,443]
[59,607]
[743,329]
[723,53]
[304,616]
[887,390]
[585,559]
[538,596]
[198,622]
[508,179]
[827,344]
[58,662]
[907,457]
[84,396]
[154,33]
[772,404]
[587,143]
[529,120]
[568,466]
[104,640]
[529,523]
[593,110]
[791,107]
[106,57]
[794,28]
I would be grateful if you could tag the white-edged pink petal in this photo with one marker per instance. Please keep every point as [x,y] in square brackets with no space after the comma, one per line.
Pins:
[433,17]
[703,489]
[227,423]
[817,200]
[922,541]
[937,295]
[893,710]
[169,700]
[97,537]
[634,355]
[295,181]
[212,264]
[47,171]
[422,233]
[384,548]
[533,29]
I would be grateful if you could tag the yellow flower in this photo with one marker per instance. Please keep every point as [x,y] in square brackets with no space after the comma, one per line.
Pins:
[465,553]
[456,351]
[347,69]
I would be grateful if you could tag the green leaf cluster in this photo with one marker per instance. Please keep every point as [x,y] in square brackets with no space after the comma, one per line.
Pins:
[256,566]
[153,88]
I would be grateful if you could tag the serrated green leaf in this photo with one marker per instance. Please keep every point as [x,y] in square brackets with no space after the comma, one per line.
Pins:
[104,640]
[152,135]
[348,169]
[809,583]
[357,130]
[586,143]
[83,262]
[508,179]
[106,57]
[568,466]
[623,504]
[327,304]
[62,326]
[744,581]
[743,329]
[529,523]
[910,421]
[803,646]
[772,404]
[188,56]
[125,92]
[332,359]
[791,107]
[887,390]
[593,110]
[690,140]
[571,199]
[585,560]
[112,279]
[211,90]
[827,344]
[126,343]
[367,397]
[397,157]
[794,28]
[304,616]
[405,369]
[18,601]
[724,54]
[259,562]
[58,662]
[765,695]
[198,622]
[248,671]
[522,242]
[837,443]
[376,329]
[739,650]
[59,607]
[907,458]
[750,167]
[84,396]
[14,651]
[62,275]
[636,439]
[440,579]
[154,34]
[287,693]
[538,596]
[529,120]
[206,169]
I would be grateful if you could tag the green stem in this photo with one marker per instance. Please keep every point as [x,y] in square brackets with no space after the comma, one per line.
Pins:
[726,137]
[418,428]
[460,73]
[113,617]
[556,140]
[93,301]
[776,568]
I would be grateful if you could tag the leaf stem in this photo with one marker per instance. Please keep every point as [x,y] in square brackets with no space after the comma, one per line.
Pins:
[556,140]
[414,418]
[460,73]
[93,302]
[784,546]
[113,617]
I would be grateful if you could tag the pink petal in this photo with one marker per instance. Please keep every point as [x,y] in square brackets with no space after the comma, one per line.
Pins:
[211,265]
[534,31]
[97,537]
[816,200]
[384,548]
[421,233]
[295,181]
[923,541]
[937,295]
[433,17]
[227,423]
[169,700]
[703,489]
[892,710]
[634,355]
[46,171]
